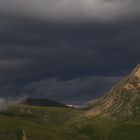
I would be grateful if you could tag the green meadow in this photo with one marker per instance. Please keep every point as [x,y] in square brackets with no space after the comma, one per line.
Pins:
[55,123]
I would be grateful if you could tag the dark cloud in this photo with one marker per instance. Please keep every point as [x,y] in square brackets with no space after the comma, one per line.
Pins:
[75,91]
[70,61]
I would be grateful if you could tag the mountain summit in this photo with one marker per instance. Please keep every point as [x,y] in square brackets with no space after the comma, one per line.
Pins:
[122,101]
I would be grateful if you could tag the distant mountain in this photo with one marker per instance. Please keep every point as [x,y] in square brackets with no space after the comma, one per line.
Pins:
[122,101]
[43,102]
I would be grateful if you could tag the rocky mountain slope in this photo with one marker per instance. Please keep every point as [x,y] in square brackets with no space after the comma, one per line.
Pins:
[122,101]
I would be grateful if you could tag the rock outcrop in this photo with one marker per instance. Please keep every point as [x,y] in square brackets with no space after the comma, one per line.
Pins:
[24,137]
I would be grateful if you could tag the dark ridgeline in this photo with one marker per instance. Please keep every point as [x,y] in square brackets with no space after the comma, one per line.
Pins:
[43,102]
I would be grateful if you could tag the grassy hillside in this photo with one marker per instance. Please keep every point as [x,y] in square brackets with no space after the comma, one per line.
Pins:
[52,123]
[39,123]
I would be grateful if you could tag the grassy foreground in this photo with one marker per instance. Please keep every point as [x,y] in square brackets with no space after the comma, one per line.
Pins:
[52,123]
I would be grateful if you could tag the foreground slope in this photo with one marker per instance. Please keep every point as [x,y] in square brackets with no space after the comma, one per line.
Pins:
[38,123]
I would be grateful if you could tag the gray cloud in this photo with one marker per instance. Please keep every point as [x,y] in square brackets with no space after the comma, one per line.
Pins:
[75,91]
[72,10]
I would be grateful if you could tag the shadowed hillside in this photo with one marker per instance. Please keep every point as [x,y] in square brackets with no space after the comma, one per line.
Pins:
[43,102]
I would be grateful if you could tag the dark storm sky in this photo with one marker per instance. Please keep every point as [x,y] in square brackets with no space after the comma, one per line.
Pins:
[67,50]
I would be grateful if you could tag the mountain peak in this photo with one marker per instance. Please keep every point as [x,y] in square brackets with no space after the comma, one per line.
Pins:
[137,71]
[138,66]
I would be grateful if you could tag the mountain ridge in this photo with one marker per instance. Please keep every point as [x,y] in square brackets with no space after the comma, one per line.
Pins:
[43,102]
[122,101]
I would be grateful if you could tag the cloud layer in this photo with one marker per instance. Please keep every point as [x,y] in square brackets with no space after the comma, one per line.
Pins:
[70,91]
[67,62]
[33,54]
[72,10]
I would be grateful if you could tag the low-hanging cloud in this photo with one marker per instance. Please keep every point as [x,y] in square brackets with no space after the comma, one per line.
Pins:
[5,103]
[75,91]
[72,10]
